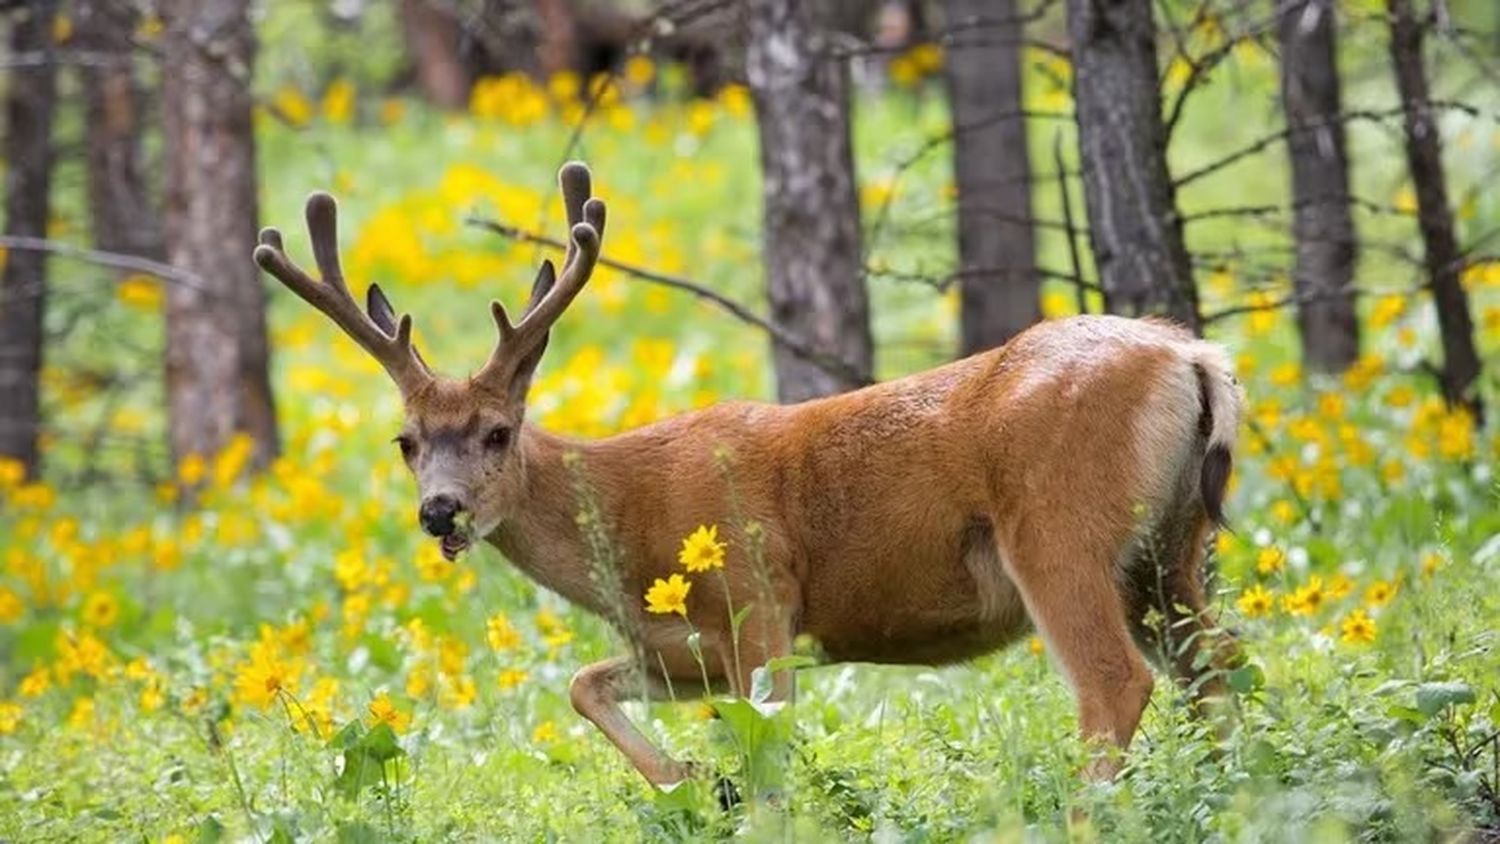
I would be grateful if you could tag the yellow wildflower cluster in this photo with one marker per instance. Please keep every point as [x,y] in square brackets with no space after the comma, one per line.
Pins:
[701,551]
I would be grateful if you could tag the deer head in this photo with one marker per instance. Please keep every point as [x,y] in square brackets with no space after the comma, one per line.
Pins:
[461,438]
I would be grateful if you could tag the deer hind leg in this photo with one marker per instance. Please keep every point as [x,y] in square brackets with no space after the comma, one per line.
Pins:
[1068,586]
[1169,612]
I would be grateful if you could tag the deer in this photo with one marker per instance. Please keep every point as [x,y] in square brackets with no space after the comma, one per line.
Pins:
[1065,483]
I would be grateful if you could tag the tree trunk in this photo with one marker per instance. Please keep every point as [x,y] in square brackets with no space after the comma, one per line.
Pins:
[1134,227]
[23,285]
[1326,243]
[998,283]
[811,235]
[557,49]
[217,358]
[122,214]
[1424,155]
[432,38]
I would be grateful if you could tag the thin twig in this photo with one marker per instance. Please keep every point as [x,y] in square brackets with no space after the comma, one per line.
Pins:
[119,260]
[830,363]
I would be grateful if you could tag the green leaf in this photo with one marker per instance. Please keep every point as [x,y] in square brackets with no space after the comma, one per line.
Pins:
[1405,713]
[739,618]
[383,652]
[1433,698]
[1246,679]
[685,796]
[347,737]
[357,832]
[380,743]
[790,662]
[210,831]
[360,770]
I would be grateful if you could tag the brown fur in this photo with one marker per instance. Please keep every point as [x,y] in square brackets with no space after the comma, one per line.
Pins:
[929,520]
[1058,484]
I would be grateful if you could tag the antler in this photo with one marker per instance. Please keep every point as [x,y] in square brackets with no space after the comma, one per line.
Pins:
[551,294]
[387,340]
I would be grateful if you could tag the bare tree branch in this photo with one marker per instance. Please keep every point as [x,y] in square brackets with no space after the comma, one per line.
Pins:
[778,333]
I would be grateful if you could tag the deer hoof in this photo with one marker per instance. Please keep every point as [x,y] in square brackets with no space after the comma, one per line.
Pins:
[728,795]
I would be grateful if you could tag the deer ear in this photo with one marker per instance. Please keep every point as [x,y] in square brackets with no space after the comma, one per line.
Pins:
[546,276]
[384,316]
[380,310]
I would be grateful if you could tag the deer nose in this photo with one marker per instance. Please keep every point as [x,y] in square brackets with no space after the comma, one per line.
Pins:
[437,513]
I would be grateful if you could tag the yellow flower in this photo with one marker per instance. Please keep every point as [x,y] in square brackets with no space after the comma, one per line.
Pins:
[192,469]
[1270,560]
[1431,562]
[668,595]
[1357,628]
[1284,511]
[11,606]
[702,550]
[82,714]
[1380,593]
[81,654]
[510,678]
[101,610]
[316,712]
[36,683]
[265,676]
[292,105]
[152,698]
[338,101]
[501,634]
[140,292]
[10,717]
[1286,375]
[1256,601]
[460,692]
[545,733]
[1456,435]
[1036,646]
[1340,586]
[639,71]
[383,711]
[1308,599]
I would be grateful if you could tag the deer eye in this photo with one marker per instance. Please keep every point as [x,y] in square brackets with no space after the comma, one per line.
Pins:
[407,445]
[497,438]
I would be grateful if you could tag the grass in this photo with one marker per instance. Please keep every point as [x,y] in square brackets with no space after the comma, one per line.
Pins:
[290,659]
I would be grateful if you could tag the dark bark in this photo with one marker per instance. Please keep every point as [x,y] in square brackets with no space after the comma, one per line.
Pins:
[1000,287]
[217,357]
[433,35]
[1327,246]
[1134,227]
[1443,261]
[811,236]
[557,49]
[122,213]
[30,102]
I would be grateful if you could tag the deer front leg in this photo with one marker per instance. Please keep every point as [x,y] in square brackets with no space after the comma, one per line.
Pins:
[596,692]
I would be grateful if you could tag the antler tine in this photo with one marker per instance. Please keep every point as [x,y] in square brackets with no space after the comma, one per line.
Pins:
[551,294]
[577,186]
[331,296]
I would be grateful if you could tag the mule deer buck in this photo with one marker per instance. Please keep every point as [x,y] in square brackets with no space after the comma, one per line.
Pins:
[1064,482]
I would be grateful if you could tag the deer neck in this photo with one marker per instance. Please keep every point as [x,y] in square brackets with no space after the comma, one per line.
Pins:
[544,537]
